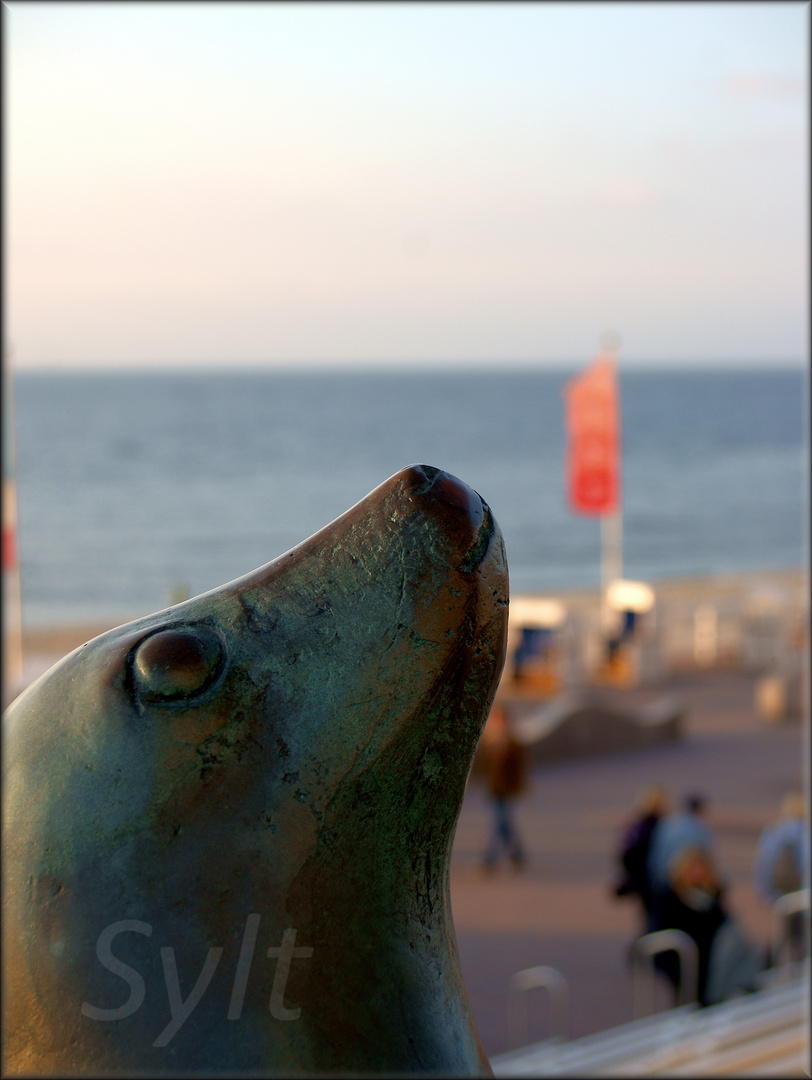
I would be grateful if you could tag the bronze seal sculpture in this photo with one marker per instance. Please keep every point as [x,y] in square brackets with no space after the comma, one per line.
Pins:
[228,825]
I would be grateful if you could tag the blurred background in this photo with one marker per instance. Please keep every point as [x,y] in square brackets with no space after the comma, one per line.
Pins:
[467,183]
[261,256]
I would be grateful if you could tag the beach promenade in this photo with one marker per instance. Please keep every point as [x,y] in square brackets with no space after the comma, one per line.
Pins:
[559,911]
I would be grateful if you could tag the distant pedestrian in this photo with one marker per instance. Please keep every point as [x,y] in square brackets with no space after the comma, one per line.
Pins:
[693,903]
[676,833]
[782,864]
[505,769]
[782,857]
[651,806]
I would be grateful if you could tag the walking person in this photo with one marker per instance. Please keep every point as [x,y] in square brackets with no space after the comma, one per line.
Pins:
[673,835]
[505,767]
[651,807]
[782,866]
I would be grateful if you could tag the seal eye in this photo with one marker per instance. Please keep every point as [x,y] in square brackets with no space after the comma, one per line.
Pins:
[176,664]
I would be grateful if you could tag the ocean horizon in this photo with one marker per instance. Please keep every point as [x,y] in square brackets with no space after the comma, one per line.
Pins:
[133,483]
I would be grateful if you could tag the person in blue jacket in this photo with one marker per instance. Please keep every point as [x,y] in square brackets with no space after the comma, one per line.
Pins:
[674,834]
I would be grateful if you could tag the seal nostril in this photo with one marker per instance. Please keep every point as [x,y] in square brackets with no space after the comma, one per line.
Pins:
[425,476]
[448,490]
[430,472]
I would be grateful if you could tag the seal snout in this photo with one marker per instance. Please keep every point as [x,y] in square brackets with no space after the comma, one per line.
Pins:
[466,514]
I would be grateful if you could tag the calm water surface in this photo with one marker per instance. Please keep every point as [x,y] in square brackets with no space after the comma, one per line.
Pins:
[130,483]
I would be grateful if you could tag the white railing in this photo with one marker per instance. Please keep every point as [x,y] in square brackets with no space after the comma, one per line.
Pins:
[643,953]
[788,938]
[521,984]
[760,1034]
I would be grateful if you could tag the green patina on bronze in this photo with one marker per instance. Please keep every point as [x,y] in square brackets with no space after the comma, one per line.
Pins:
[286,753]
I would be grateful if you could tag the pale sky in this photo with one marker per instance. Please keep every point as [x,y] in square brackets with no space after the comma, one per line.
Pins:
[500,183]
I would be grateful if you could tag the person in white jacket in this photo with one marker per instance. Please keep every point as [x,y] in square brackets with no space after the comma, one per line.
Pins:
[782,866]
[782,856]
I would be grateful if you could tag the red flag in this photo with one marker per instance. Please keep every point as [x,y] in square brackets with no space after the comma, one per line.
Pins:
[9,525]
[593,444]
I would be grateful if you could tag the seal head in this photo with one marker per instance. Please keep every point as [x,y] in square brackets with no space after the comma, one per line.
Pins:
[228,825]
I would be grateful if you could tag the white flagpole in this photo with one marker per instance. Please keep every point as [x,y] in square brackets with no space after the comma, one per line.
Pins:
[611,560]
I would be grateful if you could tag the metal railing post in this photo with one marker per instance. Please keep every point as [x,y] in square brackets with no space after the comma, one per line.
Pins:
[643,953]
[530,979]
[783,910]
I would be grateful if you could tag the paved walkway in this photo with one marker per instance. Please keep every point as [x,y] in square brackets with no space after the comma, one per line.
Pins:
[559,910]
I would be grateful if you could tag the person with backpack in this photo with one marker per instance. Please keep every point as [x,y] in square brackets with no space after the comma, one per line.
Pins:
[782,862]
[782,857]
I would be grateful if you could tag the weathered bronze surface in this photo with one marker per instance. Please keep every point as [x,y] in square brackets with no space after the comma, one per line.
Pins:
[228,825]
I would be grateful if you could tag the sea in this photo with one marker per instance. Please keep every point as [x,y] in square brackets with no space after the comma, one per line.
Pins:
[135,487]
